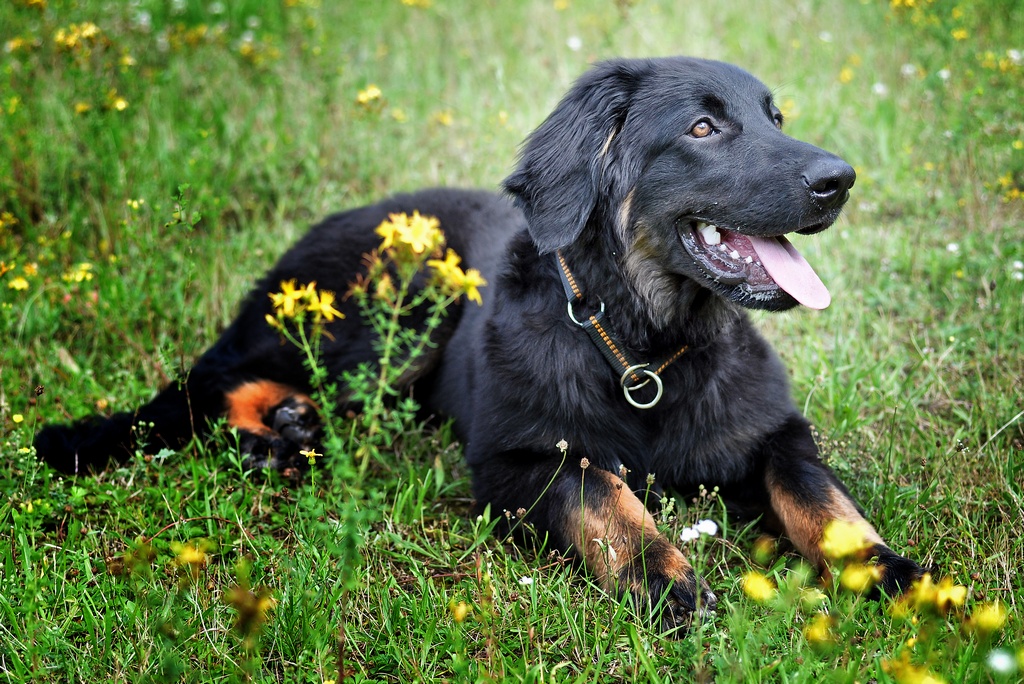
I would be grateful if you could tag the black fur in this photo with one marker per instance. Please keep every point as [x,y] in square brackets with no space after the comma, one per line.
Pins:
[615,179]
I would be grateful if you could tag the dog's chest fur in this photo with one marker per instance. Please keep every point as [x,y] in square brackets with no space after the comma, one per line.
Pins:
[541,380]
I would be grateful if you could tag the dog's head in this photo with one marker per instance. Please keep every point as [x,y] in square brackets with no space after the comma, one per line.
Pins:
[682,164]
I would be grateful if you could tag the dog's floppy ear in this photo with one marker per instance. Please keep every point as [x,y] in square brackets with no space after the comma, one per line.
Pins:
[559,178]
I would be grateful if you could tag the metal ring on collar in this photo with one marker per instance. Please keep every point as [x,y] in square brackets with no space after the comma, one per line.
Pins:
[573,316]
[651,375]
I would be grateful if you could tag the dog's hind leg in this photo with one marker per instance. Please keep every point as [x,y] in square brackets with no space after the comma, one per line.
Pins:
[275,422]
[803,495]
[592,515]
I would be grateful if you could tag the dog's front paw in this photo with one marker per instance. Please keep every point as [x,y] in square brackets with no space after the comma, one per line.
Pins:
[297,421]
[664,583]
[898,573]
[294,429]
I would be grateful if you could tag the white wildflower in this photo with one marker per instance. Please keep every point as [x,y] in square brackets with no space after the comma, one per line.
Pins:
[708,527]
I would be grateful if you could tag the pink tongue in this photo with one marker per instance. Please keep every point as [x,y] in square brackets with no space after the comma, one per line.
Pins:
[791,271]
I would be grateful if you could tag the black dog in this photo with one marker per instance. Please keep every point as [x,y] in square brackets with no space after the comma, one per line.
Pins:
[649,209]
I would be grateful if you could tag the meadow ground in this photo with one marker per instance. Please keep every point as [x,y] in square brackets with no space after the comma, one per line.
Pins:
[157,156]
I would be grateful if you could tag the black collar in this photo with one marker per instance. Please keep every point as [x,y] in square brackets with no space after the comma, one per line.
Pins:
[633,375]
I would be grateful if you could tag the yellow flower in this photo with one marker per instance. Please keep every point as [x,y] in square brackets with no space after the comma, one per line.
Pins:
[321,305]
[443,117]
[819,632]
[421,234]
[452,277]
[471,284]
[949,595]
[80,273]
[310,455]
[842,539]
[906,672]
[190,558]
[82,108]
[845,75]
[285,300]
[925,594]
[387,230]
[859,578]
[758,587]
[987,618]
[959,34]
[18,283]
[369,94]
[459,610]
[17,418]
[189,554]
[116,102]
[447,270]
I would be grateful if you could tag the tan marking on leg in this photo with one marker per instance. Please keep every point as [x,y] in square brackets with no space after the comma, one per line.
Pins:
[804,524]
[248,403]
[615,531]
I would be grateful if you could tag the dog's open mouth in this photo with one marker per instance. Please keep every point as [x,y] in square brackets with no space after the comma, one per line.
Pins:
[762,265]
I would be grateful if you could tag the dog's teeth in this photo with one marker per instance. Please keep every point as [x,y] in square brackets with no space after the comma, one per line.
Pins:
[748,260]
[723,248]
[734,254]
[710,234]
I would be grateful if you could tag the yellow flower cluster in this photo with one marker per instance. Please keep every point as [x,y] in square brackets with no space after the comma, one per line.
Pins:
[409,242]
[452,278]
[926,595]
[295,302]
[417,233]
[987,619]
[191,557]
[20,44]
[1007,184]
[77,36]
[80,273]
[7,219]
[1010,62]
[906,672]
[369,94]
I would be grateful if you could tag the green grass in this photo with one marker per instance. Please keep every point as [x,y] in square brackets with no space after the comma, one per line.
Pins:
[914,377]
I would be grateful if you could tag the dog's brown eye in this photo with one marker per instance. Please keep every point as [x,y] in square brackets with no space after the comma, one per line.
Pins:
[702,129]
[778,121]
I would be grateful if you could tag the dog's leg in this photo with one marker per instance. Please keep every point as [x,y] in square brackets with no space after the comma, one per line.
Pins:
[594,516]
[803,496]
[275,423]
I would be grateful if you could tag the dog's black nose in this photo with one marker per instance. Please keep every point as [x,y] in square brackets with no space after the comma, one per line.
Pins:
[829,181]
